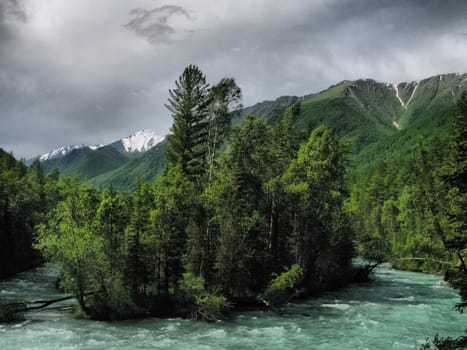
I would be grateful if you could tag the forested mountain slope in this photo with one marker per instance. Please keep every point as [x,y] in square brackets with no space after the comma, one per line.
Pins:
[378,120]
[88,163]
[143,168]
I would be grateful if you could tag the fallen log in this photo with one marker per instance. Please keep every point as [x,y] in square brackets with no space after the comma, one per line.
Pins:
[13,311]
[44,303]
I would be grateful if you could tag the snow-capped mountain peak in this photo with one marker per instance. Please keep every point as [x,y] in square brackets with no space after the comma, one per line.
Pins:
[64,150]
[140,141]
[56,153]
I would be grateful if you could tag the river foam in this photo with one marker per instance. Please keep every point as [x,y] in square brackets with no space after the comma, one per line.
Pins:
[398,311]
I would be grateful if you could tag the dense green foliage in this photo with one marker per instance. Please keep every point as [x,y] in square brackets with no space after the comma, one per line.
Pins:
[411,210]
[262,210]
[284,287]
[215,228]
[26,195]
[395,206]
[456,176]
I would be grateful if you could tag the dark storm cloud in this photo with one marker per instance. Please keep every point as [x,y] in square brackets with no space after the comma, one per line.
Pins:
[92,71]
[397,22]
[10,10]
[153,24]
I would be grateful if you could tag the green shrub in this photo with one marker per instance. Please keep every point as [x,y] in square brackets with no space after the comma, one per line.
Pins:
[284,286]
[115,304]
[199,303]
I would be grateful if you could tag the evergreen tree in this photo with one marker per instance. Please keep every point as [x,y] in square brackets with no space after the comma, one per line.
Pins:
[25,198]
[202,118]
[243,259]
[286,141]
[140,253]
[224,100]
[110,223]
[171,216]
[188,104]
[321,239]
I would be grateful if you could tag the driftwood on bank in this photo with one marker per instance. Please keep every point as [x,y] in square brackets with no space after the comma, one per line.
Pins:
[13,311]
[43,303]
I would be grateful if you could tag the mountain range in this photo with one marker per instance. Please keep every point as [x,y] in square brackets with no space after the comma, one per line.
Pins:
[140,141]
[376,119]
[93,161]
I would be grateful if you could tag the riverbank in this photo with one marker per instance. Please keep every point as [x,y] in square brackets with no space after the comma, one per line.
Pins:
[13,310]
[161,308]
[399,310]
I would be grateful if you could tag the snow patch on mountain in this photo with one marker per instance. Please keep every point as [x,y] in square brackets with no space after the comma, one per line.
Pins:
[405,104]
[412,95]
[398,97]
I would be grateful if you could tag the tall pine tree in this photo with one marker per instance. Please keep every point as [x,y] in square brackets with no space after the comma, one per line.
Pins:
[188,103]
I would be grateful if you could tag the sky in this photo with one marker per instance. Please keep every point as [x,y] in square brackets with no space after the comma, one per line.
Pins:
[93,71]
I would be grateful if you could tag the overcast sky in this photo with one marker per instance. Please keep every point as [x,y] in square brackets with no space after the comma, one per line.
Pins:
[93,71]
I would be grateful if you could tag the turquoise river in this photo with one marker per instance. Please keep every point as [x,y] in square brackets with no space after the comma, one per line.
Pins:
[399,310]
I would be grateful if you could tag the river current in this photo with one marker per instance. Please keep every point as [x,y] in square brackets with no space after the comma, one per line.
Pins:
[399,310]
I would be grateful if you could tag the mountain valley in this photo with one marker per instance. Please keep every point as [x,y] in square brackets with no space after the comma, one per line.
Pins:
[376,120]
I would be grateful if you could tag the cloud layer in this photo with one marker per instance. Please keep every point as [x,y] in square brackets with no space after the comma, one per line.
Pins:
[93,71]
